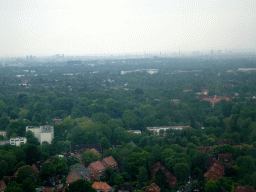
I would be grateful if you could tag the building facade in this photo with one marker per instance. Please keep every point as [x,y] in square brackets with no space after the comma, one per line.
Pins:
[17,141]
[42,133]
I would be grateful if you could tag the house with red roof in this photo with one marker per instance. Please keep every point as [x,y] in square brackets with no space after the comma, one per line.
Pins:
[153,188]
[3,186]
[225,158]
[109,162]
[102,187]
[215,171]
[215,99]
[170,178]
[79,172]
[244,189]
[96,170]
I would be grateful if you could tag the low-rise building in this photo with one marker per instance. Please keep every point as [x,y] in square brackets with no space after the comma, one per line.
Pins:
[57,121]
[96,170]
[215,171]
[3,186]
[79,172]
[156,130]
[124,188]
[3,133]
[109,162]
[17,141]
[134,131]
[153,188]
[170,178]
[102,187]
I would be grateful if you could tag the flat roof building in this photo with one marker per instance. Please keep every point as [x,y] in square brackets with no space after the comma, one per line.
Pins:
[42,133]
[17,141]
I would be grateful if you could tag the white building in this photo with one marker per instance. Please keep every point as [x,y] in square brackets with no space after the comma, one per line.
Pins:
[134,131]
[17,141]
[157,129]
[42,133]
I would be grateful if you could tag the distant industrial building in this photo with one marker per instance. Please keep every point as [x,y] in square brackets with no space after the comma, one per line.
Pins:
[17,141]
[42,133]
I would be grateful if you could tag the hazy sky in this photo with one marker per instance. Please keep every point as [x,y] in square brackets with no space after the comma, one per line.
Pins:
[123,26]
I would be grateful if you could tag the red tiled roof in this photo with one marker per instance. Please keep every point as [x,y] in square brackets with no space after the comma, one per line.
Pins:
[216,99]
[171,179]
[153,188]
[97,165]
[244,189]
[2,185]
[110,161]
[35,169]
[215,171]
[226,158]
[103,186]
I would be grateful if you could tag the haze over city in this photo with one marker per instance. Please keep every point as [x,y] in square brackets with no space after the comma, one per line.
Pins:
[46,27]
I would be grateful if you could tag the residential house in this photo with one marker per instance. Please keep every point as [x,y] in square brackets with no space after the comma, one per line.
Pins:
[175,101]
[215,171]
[83,147]
[244,189]
[124,188]
[102,187]
[95,151]
[170,178]
[153,188]
[109,162]
[34,168]
[96,170]
[79,172]
[225,158]
[3,186]
[224,141]
[206,149]
[197,188]
[3,133]
[57,121]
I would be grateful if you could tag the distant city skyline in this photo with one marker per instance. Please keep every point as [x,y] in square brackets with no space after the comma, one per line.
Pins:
[49,27]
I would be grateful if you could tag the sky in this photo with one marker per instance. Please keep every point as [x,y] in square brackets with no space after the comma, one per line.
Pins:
[79,27]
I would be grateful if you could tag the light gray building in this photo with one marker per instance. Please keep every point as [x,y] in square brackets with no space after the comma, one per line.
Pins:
[42,133]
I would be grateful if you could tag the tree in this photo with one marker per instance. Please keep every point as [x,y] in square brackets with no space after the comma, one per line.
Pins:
[31,139]
[90,156]
[246,165]
[60,164]
[26,172]
[47,170]
[3,168]
[104,143]
[32,154]
[142,176]
[161,180]
[101,117]
[80,186]
[211,186]
[181,171]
